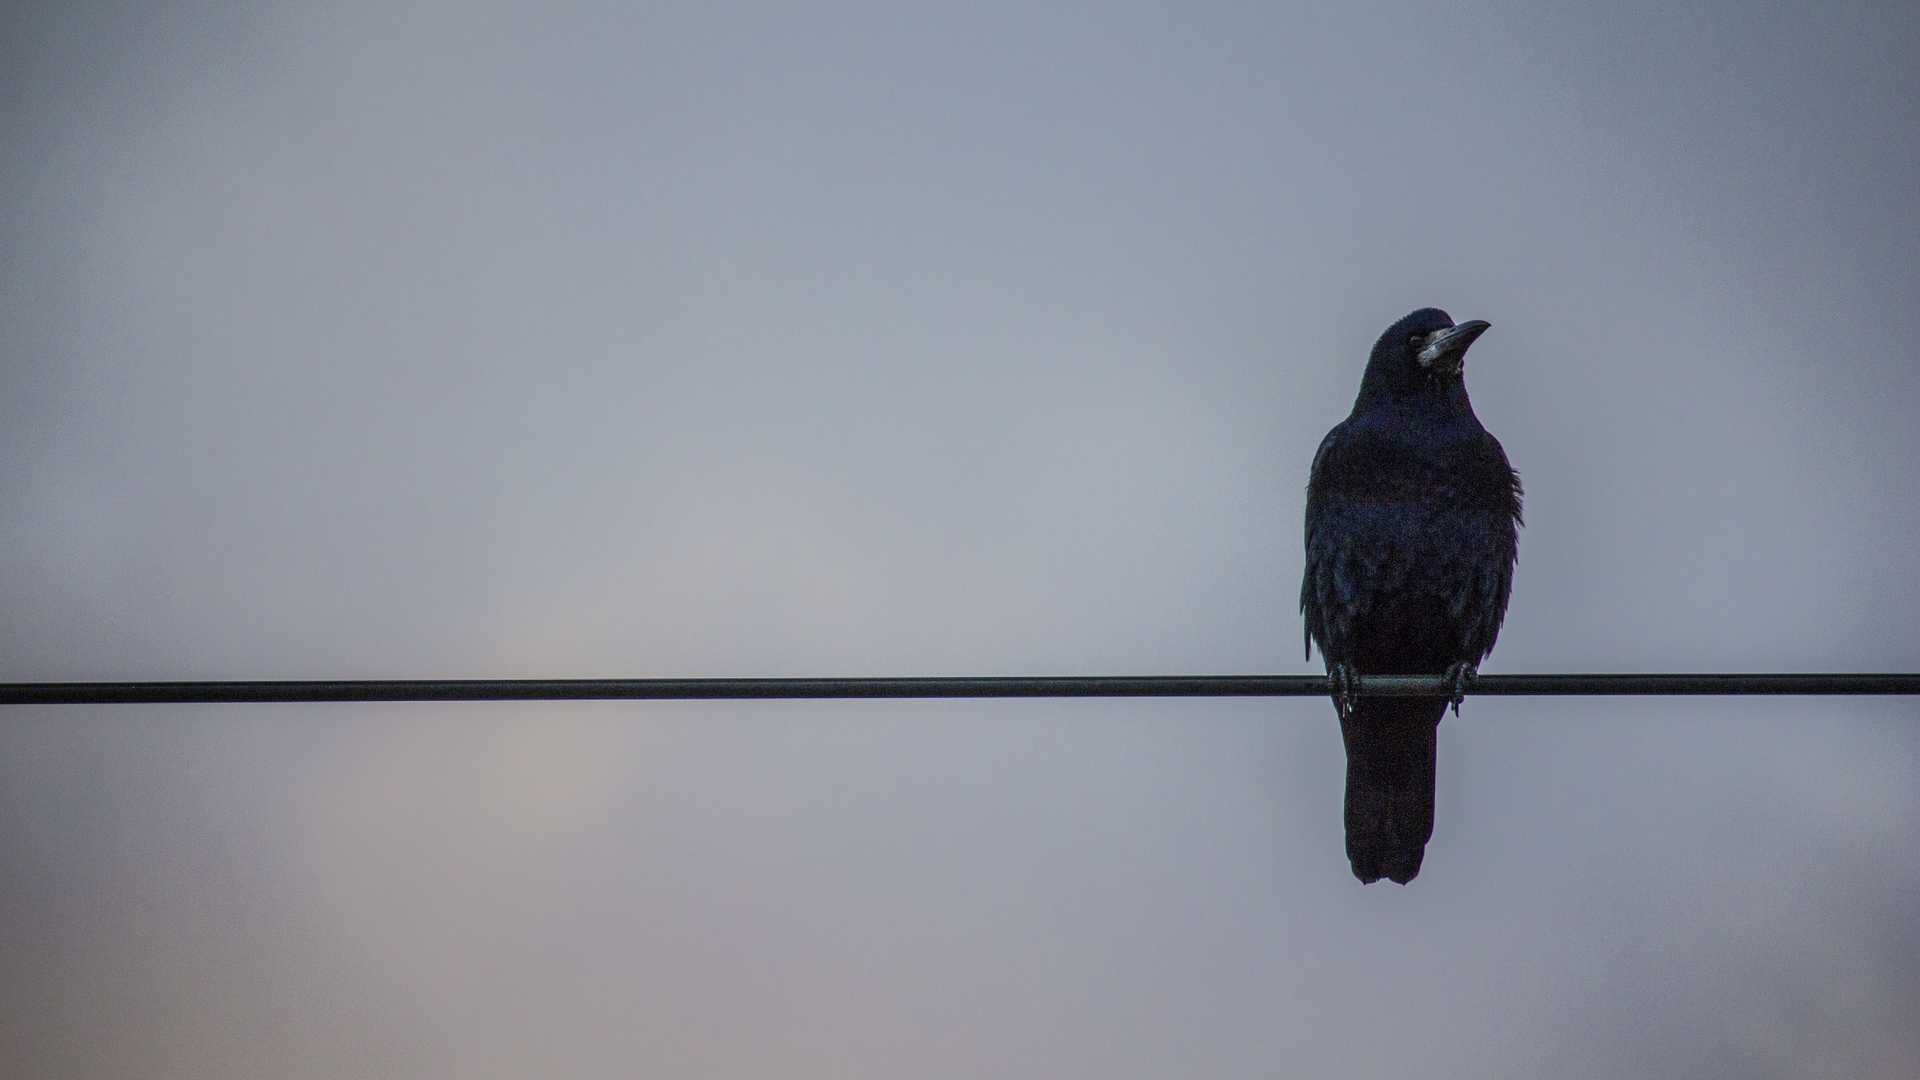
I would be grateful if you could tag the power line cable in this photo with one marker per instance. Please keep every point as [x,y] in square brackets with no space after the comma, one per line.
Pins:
[340,690]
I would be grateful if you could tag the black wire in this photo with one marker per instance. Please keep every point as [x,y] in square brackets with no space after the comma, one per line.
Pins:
[130,693]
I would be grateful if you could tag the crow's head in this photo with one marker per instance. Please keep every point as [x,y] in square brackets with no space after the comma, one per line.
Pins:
[1423,350]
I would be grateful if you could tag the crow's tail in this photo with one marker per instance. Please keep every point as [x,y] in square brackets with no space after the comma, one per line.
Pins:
[1390,763]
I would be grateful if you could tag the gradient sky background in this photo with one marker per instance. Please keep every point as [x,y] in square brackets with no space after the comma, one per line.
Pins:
[442,340]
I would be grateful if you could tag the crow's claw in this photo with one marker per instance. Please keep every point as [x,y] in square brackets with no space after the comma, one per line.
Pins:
[1459,677]
[1345,686]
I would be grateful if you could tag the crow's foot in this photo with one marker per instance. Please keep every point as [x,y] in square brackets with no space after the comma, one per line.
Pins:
[1459,677]
[1345,686]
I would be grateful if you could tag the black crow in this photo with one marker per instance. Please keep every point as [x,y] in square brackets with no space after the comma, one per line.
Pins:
[1413,519]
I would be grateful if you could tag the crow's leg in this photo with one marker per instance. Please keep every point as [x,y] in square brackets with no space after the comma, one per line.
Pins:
[1344,683]
[1459,677]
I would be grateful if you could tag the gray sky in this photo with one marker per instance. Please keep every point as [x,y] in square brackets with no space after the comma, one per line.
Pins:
[415,340]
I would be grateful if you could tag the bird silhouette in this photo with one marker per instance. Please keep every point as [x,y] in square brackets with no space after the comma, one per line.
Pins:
[1412,529]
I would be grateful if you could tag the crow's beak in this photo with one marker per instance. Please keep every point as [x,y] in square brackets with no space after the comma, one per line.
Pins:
[1447,349]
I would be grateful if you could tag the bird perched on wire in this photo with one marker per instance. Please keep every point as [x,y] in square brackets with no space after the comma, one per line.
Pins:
[1413,518]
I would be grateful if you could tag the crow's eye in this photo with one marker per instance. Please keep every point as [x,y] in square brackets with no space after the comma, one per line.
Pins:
[1414,339]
